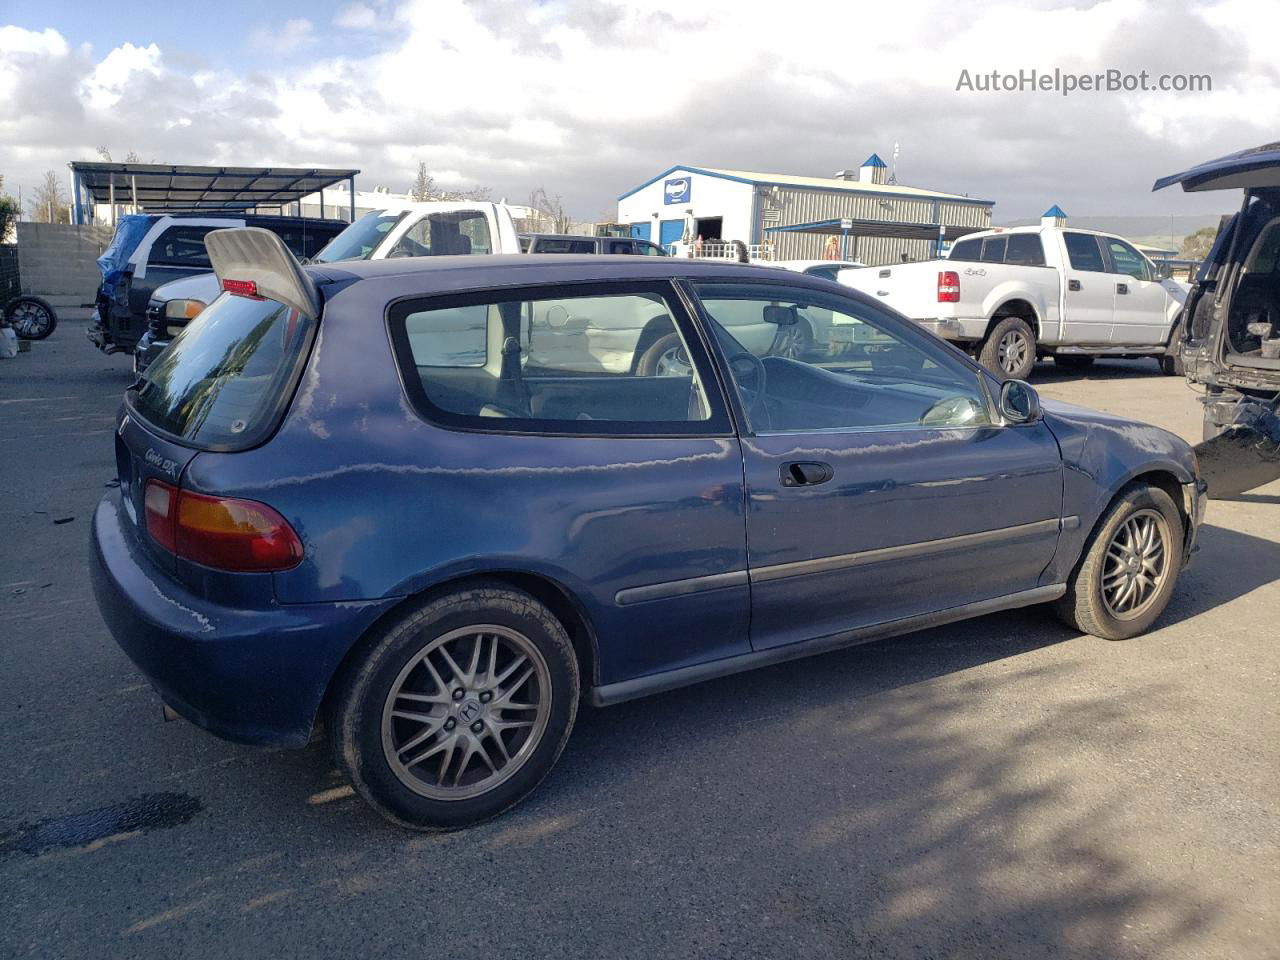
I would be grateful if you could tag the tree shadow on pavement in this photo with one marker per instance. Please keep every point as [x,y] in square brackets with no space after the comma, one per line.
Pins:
[1255,562]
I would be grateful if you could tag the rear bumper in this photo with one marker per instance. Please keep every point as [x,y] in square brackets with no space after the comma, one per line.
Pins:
[251,676]
[955,328]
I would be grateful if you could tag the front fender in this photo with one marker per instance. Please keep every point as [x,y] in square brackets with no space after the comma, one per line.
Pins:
[1102,453]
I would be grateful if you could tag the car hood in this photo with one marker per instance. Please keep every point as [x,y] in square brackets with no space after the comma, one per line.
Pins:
[1256,168]
[203,287]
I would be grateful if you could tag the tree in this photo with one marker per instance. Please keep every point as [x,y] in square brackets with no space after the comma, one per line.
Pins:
[8,212]
[424,188]
[424,185]
[1196,246]
[551,209]
[50,204]
[130,157]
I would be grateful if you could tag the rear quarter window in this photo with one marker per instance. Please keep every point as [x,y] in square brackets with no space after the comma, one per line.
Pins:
[224,381]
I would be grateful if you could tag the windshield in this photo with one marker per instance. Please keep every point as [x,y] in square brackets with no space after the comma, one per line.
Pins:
[359,240]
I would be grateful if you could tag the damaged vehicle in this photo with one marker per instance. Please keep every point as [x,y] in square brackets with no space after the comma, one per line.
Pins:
[149,250]
[1230,325]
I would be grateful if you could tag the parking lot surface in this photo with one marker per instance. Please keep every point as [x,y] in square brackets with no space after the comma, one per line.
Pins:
[998,788]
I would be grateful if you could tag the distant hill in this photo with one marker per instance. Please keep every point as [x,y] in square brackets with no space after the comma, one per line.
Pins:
[1146,230]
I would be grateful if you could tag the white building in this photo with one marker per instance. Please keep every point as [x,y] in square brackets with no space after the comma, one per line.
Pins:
[790,217]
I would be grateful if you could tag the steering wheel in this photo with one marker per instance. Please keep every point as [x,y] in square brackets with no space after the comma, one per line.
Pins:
[750,376]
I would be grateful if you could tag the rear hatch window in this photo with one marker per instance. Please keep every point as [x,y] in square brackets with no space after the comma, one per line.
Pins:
[224,382]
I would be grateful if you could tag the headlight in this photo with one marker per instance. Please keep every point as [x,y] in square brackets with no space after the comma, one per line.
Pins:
[183,309]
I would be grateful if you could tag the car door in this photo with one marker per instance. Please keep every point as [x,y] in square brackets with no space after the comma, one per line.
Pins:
[879,486]
[1141,314]
[1088,296]
[623,486]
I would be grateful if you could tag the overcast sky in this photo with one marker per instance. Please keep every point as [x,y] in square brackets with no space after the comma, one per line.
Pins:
[591,97]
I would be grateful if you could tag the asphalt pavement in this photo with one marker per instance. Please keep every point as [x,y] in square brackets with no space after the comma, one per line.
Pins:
[1001,788]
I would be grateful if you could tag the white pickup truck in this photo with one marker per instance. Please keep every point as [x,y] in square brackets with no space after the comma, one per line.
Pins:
[1011,295]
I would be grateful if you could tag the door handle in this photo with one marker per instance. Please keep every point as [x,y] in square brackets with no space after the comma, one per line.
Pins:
[1122,288]
[1073,285]
[806,473]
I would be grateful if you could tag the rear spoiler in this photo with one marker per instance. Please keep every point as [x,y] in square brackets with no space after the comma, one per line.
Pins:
[253,261]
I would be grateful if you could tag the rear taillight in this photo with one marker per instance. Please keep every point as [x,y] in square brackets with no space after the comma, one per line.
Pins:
[222,532]
[948,286]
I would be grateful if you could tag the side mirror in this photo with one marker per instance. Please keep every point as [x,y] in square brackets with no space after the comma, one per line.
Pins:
[1019,402]
[781,316]
[1164,271]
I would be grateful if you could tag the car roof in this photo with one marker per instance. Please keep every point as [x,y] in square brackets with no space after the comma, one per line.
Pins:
[443,274]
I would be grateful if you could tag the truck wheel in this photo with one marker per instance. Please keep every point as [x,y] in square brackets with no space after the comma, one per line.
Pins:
[30,317]
[665,358]
[1010,349]
[457,709]
[1125,576]
[1072,361]
[1171,363]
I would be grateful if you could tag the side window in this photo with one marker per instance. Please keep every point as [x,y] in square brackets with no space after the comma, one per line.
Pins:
[619,246]
[806,361]
[1083,251]
[649,249]
[445,234]
[967,250]
[449,337]
[1125,259]
[608,362]
[993,249]
[1025,249]
[565,245]
[181,246]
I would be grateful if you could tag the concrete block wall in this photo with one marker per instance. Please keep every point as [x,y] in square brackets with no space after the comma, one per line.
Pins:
[57,261]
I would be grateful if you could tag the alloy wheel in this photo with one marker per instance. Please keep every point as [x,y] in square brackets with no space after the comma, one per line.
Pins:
[1135,564]
[673,363]
[466,712]
[1013,350]
[30,320]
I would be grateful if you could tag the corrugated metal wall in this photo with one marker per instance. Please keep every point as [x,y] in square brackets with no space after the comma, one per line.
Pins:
[807,206]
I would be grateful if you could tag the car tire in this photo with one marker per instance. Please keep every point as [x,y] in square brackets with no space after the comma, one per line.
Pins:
[662,353]
[795,343]
[1009,351]
[407,693]
[1072,362]
[1096,601]
[1171,363]
[31,317]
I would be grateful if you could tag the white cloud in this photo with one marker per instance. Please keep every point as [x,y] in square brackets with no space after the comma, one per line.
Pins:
[286,38]
[361,16]
[589,97]
[105,86]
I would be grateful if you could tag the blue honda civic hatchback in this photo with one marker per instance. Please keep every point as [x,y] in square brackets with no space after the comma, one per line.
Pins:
[436,503]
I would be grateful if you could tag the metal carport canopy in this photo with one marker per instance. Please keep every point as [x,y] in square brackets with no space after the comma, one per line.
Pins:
[894,229]
[162,187]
